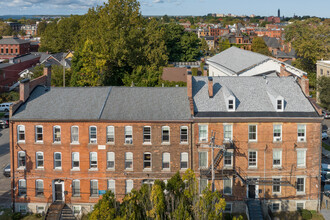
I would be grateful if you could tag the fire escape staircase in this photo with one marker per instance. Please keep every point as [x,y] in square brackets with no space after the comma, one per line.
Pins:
[59,211]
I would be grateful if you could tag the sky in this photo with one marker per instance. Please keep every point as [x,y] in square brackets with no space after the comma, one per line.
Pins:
[288,8]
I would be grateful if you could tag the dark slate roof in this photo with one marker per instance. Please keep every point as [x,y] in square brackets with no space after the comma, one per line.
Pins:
[237,60]
[13,41]
[252,99]
[105,103]
[43,55]
[271,42]
[147,103]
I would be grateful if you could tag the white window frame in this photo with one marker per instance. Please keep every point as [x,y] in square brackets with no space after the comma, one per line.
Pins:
[200,138]
[127,184]
[55,139]
[231,186]
[199,159]
[200,185]
[301,138]
[18,159]
[277,165]
[147,161]
[18,133]
[110,134]
[20,188]
[256,139]
[182,155]
[226,139]
[301,192]
[74,190]
[231,158]
[129,160]
[93,166]
[279,184]
[231,106]
[92,140]
[74,135]
[279,206]
[145,140]
[252,166]
[74,159]
[277,139]
[166,158]
[111,183]
[128,137]
[109,155]
[304,150]
[164,128]
[37,160]
[56,160]
[36,134]
[302,202]
[182,141]
[92,190]
[281,105]
[41,192]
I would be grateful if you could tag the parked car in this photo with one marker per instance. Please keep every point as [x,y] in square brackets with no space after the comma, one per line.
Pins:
[325,173]
[326,114]
[4,107]
[325,135]
[6,171]
[4,122]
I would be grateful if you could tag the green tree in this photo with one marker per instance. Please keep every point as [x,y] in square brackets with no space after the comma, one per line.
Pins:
[57,75]
[41,28]
[204,47]
[5,29]
[224,44]
[259,46]
[324,91]
[106,208]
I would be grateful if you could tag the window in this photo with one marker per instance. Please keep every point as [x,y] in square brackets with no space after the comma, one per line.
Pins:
[184,160]
[227,132]
[22,208]
[203,161]
[21,133]
[112,185]
[147,161]
[75,160]
[129,186]
[93,160]
[166,161]
[275,207]
[21,159]
[184,134]
[277,157]
[76,209]
[279,104]
[128,135]
[300,205]
[277,132]
[231,104]
[110,134]
[128,160]
[202,185]
[252,132]
[227,186]
[39,133]
[40,209]
[110,160]
[252,158]
[301,157]
[300,185]
[74,135]
[11,50]
[40,160]
[276,185]
[22,187]
[76,188]
[146,134]
[39,187]
[57,134]
[57,160]
[92,135]
[202,133]
[165,134]
[94,188]
[301,132]
[228,207]
[228,158]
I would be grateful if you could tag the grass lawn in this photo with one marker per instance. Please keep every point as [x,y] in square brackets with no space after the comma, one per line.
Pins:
[326,146]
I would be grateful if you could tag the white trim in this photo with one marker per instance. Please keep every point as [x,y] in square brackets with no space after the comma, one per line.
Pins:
[114,139]
[128,140]
[276,193]
[169,161]
[58,183]
[126,154]
[92,140]
[304,192]
[277,139]
[114,160]
[202,140]
[74,142]
[18,166]
[277,165]
[43,160]
[207,159]
[169,135]
[251,166]
[127,182]
[54,127]
[57,168]
[90,161]
[231,186]
[144,168]
[72,160]
[300,201]
[305,155]
[184,142]
[279,206]
[36,134]
[184,160]
[231,132]
[146,142]
[252,140]
[18,140]
[301,139]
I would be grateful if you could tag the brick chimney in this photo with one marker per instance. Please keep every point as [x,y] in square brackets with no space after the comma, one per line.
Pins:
[189,84]
[205,71]
[24,89]
[283,71]
[48,74]
[210,86]
[304,85]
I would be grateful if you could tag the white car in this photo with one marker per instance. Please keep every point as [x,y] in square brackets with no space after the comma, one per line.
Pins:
[4,107]
[325,135]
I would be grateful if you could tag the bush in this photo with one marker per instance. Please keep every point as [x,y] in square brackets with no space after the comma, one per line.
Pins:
[306,214]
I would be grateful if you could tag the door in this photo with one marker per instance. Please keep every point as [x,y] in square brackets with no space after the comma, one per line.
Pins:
[58,192]
[252,191]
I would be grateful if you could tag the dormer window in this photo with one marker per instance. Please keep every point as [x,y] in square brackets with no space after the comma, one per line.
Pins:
[231,105]
[279,104]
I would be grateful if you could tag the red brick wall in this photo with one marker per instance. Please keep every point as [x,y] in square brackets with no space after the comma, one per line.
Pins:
[14,50]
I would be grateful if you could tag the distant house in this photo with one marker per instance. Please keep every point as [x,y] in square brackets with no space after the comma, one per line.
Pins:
[211,41]
[13,47]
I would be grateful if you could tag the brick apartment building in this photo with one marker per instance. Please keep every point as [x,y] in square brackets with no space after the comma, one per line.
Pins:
[12,47]
[87,140]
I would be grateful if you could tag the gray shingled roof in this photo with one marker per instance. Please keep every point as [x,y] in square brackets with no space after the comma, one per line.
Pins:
[251,94]
[13,41]
[91,103]
[147,103]
[237,60]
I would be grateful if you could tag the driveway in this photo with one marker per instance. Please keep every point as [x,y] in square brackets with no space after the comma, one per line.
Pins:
[5,194]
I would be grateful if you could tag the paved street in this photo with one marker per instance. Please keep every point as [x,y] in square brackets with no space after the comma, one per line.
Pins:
[4,160]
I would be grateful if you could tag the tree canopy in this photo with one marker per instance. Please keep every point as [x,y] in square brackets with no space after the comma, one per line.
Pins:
[259,46]
[324,90]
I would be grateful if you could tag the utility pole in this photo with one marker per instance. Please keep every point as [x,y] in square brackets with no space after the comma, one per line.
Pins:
[64,74]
